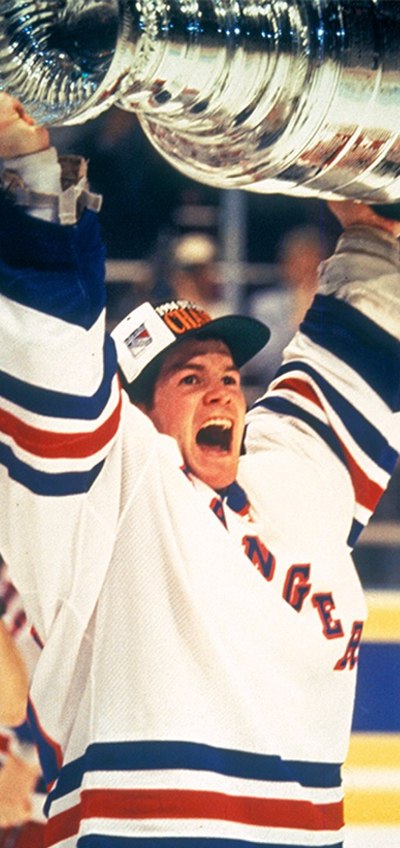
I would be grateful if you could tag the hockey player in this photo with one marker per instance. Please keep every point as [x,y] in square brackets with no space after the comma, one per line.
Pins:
[200,613]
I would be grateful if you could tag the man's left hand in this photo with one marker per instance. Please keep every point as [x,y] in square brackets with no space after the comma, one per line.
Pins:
[19,135]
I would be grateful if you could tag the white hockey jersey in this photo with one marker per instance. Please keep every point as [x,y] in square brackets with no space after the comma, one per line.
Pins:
[197,677]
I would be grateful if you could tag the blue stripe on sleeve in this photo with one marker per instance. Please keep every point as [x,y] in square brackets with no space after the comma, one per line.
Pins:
[370,351]
[59,404]
[369,439]
[48,485]
[199,757]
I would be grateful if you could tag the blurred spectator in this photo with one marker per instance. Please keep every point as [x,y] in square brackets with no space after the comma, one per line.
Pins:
[283,305]
[190,271]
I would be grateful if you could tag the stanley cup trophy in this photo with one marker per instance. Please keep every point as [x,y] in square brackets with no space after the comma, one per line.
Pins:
[300,97]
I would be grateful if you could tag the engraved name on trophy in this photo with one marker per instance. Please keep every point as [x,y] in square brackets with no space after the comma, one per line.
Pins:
[300,97]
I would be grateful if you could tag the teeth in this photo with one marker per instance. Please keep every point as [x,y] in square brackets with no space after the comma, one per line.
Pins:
[224,423]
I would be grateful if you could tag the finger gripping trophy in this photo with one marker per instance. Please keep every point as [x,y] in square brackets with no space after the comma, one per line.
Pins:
[300,97]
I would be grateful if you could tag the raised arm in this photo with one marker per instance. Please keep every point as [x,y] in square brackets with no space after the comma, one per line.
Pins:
[59,393]
[333,402]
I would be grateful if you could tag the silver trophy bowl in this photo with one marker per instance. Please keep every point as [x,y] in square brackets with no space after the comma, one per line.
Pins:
[300,97]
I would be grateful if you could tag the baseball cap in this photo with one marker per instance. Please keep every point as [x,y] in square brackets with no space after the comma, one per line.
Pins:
[148,331]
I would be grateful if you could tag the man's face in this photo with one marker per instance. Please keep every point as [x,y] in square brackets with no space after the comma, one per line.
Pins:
[199,401]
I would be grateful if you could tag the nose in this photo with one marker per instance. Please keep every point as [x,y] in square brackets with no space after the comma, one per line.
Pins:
[217,394]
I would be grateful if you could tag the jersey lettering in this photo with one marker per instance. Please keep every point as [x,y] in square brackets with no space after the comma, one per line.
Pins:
[332,627]
[259,555]
[350,656]
[297,586]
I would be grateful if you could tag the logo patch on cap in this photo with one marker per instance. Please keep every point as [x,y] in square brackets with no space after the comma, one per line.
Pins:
[137,341]
[139,338]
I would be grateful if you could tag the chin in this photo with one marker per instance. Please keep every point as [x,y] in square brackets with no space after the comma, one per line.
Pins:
[217,479]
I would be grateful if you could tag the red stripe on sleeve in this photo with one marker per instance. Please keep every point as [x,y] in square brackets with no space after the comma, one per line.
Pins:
[367,492]
[52,445]
[301,387]
[188,804]
[63,826]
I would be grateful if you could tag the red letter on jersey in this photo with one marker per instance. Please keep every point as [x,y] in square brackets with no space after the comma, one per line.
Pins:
[296,586]
[350,655]
[332,627]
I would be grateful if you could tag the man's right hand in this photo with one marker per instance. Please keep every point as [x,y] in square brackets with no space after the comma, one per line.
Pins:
[19,135]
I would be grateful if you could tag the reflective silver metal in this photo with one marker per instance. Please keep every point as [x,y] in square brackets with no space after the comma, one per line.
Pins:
[293,96]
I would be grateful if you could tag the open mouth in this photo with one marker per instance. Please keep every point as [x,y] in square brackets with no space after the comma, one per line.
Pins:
[216,434]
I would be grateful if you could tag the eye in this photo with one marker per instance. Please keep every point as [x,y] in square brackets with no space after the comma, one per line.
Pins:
[189,380]
[231,380]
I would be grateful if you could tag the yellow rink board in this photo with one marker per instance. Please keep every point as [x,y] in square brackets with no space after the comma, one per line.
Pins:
[374,750]
[383,622]
[372,807]
[372,780]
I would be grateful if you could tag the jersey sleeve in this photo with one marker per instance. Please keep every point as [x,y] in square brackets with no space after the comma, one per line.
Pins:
[59,398]
[334,402]
[58,383]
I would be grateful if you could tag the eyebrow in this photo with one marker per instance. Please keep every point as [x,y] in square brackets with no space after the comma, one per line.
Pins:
[194,366]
